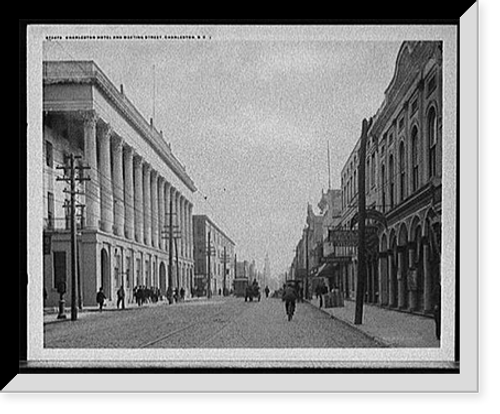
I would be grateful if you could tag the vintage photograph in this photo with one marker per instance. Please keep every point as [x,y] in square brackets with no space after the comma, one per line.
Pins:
[217,196]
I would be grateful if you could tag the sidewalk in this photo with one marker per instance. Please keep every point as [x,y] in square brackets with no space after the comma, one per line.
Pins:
[389,327]
[50,314]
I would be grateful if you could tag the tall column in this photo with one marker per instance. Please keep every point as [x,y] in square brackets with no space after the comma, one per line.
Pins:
[92,191]
[382,258]
[427,276]
[106,187]
[154,208]
[175,247]
[129,192]
[118,205]
[146,201]
[190,230]
[138,204]
[392,279]
[182,214]
[161,212]
[171,223]
[167,215]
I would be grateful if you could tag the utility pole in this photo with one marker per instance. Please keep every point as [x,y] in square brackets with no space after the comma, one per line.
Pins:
[226,260]
[72,178]
[306,290]
[172,233]
[225,267]
[360,289]
[210,253]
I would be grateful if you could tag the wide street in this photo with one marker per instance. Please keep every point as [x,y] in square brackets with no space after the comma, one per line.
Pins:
[216,323]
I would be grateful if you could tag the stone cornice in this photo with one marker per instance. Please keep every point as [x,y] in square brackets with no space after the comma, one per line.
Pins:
[87,72]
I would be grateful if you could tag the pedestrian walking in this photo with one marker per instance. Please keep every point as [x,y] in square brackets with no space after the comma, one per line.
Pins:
[290,297]
[169,295]
[121,297]
[266,290]
[183,293]
[100,298]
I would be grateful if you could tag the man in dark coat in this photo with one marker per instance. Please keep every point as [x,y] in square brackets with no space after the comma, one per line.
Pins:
[100,298]
[121,297]
[289,296]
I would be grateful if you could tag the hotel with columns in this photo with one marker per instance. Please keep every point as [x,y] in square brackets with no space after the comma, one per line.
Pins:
[135,220]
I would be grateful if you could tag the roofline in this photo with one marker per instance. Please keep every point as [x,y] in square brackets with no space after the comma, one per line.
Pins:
[89,72]
[204,216]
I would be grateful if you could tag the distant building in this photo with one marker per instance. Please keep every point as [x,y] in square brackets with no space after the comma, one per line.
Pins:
[242,269]
[222,257]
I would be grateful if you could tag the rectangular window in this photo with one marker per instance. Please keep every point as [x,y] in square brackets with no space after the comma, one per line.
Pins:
[128,273]
[138,271]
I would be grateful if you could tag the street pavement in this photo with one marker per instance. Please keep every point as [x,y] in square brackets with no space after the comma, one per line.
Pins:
[390,327]
[216,323]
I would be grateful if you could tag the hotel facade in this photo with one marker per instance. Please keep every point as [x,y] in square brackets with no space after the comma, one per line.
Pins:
[137,197]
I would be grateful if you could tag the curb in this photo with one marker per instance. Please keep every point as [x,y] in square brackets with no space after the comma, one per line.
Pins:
[380,341]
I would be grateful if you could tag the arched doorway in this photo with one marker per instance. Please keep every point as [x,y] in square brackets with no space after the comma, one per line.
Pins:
[163,278]
[105,273]
[402,273]
[384,271]
[416,266]
[433,232]
[393,271]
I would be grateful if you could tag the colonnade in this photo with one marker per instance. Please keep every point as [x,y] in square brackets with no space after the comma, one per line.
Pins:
[127,197]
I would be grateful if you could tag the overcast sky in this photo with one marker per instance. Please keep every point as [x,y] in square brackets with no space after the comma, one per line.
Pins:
[250,120]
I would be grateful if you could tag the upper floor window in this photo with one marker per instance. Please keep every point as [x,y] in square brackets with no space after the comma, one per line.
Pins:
[391,180]
[402,172]
[432,140]
[414,158]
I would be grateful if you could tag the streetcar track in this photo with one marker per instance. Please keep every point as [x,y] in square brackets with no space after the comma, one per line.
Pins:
[226,324]
[191,325]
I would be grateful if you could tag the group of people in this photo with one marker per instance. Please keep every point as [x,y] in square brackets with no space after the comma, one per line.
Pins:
[175,295]
[142,294]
